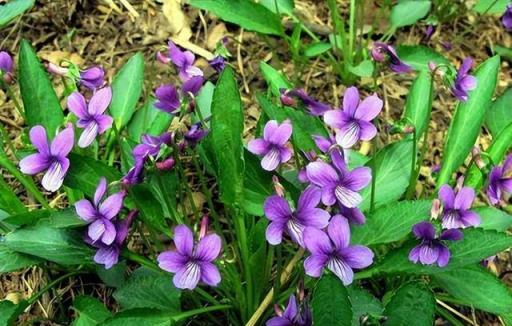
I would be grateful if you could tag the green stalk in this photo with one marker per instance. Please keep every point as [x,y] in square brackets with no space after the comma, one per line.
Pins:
[28,183]
[414,176]
[351,31]
[191,313]
[241,233]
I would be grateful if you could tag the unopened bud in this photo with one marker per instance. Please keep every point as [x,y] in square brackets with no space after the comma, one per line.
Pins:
[477,157]
[204,226]
[162,58]
[435,210]
[278,187]
[56,70]
[166,165]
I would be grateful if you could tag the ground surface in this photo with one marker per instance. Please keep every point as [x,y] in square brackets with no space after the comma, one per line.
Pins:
[107,32]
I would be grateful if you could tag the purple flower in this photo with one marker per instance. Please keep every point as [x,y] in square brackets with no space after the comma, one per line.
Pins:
[314,107]
[284,219]
[184,61]
[91,116]
[168,99]
[51,158]
[429,31]
[195,134]
[273,145]
[500,180]
[134,175]
[218,63]
[379,52]
[337,183]
[456,205]
[507,18]
[354,121]
[333,250]
[464,82]
[92,78]
[108,255]
[292,316]
[431,249]
[6,66]
[192,263]
[192,85]
[100,212]
[151,145]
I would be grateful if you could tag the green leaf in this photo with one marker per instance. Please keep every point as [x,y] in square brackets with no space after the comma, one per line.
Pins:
[363,304]
[246,14]
[126,90]
[147,288]
[204,102]
[85,172]
[258,257]
[391,168]
[493,218]
[390,223]
[64,218]
[409,298]
[419,102]
[11,260]
[257,185]
[61,246]
[113,277]
[226,135]
[477,244]
[39,99]
[275,79]
[418,56]
[330,304]
[502,51]
[150,208]
[491,6]
[283,6]
[90,311]
[499,115]
[12,9]
[408,12]
[495,152]
[477,287]
[9,312]
[468,118]
[9,202]
[316,49]
[148,120]
[364,69]
[140,317]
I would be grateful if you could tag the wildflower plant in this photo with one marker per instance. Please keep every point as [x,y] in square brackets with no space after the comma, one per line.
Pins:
[321,215]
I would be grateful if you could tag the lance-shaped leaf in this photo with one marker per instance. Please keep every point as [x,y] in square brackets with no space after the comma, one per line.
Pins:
[499,115]
[39,99]
[409,12]
[419,103]
[227,126]
[12,9]
[468,118]
[419,56]
[126,90]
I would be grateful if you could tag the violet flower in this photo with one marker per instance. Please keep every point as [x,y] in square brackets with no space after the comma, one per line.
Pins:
[456,205]
[273,144]
[218,63]
[91,116]
[108,255]
[151,145]
[192,86]
[293,223]
[500,180]
[464,82]
[168,99]
[432,249]
[333,250]
[191,262]
[507,18]
[337,183]
[92,78]
[195,134]
[100,213]
[354,121]
[6,66]
[184,61]
[292,315]
[381,50]
[314,107]
[51,158]
[134,175]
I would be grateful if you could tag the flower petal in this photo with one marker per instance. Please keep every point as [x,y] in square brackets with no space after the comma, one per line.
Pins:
[100,101]
[96,229]
[101,189]
[108,256]
[351,100]
[104,122]
[316,241]
[341,269]
[470,218]
[88,135]
[367,130]
[34,163]
[183,240]
[208,248]
[309,198]
[188,276]
[76,104]
[424,231]
[369,108]
[321,174]
[358,256]
[62,144]
[347,197]
[110,232]
[447,196]
[111,206]
[348,135]
[85,210]
[171,261]
[210,274]
[274,233]
[54,176]
[339,232]
[276,208]
[281,135]
[270,127]
[358,178]
[334,118]
[314,264]
[291,309]
[429,254]
[271,160]
[464,198]
[258,146]
[444,256]
[39,139]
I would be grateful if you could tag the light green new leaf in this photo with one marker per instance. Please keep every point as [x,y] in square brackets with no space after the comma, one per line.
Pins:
[275,79]
[12,9]
[411,297]
[408,12]
[468,118]
[316,49]
[419,102]
[331,305]
[227,126]
[390,223]
[126,90]
[41,104]
[247,14]
[476,287]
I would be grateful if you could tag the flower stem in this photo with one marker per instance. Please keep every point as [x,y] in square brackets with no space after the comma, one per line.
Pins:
[285,275]
[191,313]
